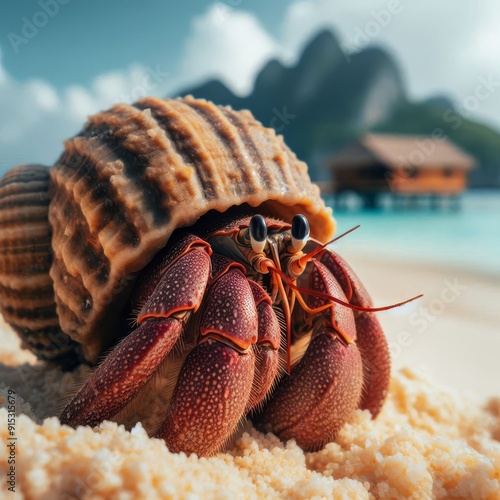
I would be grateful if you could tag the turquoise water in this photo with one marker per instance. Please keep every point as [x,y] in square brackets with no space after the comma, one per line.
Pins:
[469,237]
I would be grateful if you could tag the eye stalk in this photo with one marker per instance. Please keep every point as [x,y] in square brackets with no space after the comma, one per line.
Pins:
[258,233]
[300,232]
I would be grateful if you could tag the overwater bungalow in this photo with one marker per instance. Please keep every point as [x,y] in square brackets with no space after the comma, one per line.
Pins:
[410,168]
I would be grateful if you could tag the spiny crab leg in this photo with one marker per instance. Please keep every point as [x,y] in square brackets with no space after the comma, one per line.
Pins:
[134,361]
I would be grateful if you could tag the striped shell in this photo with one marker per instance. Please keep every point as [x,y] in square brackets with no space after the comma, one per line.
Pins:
[121,187]
[26,291]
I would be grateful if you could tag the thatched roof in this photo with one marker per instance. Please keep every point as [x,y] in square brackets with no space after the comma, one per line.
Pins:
[397,151]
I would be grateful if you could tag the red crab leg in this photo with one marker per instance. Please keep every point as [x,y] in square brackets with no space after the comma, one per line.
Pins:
[371,341]
[324,388]
[214,384]
[133,362]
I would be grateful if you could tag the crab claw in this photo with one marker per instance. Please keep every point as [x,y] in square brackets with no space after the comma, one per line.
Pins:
[320,394]
[209,399]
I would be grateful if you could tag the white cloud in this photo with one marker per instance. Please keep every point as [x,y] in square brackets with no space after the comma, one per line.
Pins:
[36,119]
[228,44]
[43,95]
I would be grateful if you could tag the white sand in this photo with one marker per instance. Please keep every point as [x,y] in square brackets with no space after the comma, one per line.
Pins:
[429,441]
[452,333]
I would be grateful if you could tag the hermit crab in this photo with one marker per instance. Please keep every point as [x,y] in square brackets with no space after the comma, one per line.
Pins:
[179,247]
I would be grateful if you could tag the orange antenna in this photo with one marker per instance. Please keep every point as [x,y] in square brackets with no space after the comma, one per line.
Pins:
[308,256]
[292,285]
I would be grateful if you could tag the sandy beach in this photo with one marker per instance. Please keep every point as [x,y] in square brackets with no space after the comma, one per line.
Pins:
[452,333]
[433,439]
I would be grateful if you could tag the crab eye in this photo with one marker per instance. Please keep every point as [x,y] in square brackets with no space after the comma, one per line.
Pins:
[258,233]
[300,232]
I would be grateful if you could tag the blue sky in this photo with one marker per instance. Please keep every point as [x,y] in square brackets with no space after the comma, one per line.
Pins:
[61,60]
[90,37]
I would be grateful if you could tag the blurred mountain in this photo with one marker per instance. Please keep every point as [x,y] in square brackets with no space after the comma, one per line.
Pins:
[215,91]
[441,101]
[328,98]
